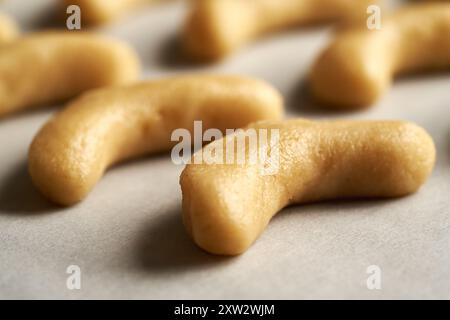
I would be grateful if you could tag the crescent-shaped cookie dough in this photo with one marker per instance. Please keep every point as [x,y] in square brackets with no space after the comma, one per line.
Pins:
[216,28]
[71,152]
[227,206]
[8,29]
[360,64]
[45,68]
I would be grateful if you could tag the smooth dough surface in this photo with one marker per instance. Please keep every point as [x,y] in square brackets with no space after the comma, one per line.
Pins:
[216,28]
[71,152]
[360,64]
[45,68]
[227,206]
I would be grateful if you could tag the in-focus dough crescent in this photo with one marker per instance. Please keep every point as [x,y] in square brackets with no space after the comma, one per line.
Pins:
[227,206]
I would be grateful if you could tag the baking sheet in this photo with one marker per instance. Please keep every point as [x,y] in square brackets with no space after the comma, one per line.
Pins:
[128,239]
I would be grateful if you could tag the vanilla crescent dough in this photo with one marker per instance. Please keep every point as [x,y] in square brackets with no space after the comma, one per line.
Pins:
[45,68]
[227,206]
[216,28]
[71,152]
[360,64]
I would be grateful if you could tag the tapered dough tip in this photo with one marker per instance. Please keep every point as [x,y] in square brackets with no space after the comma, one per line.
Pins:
[340,82]
[50,174]
[207,219]
[204,27]
[420,156]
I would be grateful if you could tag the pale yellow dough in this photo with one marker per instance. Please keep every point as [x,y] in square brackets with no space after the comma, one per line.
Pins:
[215,28]
[227,206]
[71,152]
[9,30]
[95,12]
[360,64]
[45,68]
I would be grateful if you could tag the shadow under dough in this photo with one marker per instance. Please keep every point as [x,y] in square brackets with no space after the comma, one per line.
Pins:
[173,56]
[19,196]
[164,246]
[300,101]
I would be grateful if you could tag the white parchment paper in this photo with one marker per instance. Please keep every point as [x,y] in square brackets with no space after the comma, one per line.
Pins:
[128,239]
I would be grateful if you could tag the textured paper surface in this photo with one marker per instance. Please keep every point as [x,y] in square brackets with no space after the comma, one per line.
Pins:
[128,239]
